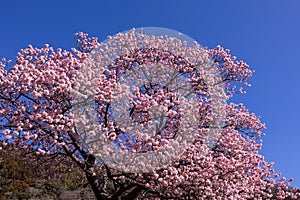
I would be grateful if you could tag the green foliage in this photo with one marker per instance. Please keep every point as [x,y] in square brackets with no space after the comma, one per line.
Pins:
[72,179]
[22,170]
[14,168]
[15,176]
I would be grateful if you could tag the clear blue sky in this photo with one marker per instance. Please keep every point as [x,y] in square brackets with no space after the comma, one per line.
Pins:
[266,34]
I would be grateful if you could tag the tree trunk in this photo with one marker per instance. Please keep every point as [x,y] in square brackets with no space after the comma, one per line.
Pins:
[130,192]
[133,194]
[92,177]
[94,182]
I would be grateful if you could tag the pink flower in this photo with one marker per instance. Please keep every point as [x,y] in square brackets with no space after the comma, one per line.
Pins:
[8,137]
[6,131]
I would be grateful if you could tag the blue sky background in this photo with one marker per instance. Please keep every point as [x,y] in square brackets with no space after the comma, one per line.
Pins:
[265,34]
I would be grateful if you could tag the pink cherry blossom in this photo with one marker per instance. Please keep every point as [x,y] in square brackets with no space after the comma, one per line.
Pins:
[37,109]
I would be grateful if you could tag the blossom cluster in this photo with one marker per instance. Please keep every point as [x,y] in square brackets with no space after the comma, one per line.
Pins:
[172,98]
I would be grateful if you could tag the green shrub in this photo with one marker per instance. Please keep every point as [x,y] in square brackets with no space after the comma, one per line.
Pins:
[15,176]
[72,178]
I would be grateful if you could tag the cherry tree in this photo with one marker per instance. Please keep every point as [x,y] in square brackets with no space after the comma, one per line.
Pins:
[41,109]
